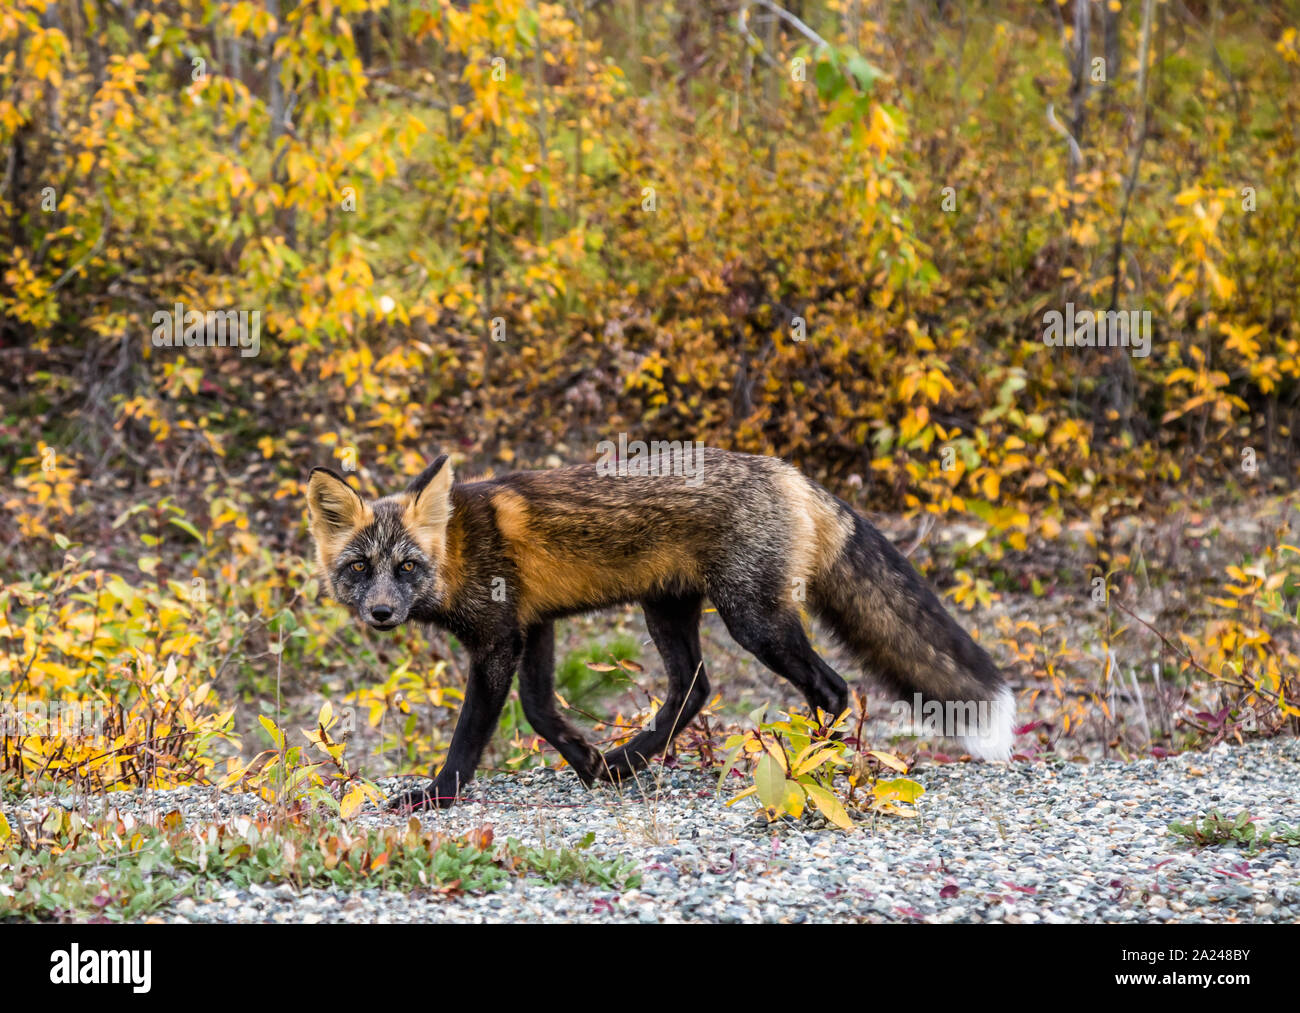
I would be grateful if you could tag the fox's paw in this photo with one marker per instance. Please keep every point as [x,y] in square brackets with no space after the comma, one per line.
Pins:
[426,796]
[585,760]
[620,765]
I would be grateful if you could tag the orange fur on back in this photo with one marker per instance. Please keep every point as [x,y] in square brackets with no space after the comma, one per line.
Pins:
[555,577]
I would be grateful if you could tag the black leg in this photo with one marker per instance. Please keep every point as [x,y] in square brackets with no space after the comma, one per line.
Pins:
[490,673]
[777,639]
[537,691]
[674,625]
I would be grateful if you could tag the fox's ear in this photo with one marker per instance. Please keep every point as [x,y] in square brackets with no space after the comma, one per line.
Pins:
[337,510]
[421,480]
[428,505]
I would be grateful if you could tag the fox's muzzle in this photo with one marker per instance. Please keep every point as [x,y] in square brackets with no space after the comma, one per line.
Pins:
[382,607]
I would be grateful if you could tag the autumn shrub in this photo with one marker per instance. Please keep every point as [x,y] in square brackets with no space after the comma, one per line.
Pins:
[1229,672]
[799,250]
[101,689]
[1251,649]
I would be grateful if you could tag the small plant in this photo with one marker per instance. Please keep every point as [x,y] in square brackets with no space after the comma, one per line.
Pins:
[796,760]
[971,592]
[1242,830]
[285,776]
[60,866]
[571,865]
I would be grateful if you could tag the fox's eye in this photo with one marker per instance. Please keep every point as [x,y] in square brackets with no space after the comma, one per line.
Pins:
[358,567]
[408,566]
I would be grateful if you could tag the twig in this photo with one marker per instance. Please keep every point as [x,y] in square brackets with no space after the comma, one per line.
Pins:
[927,524]
[1131,183]
[793,22]
[1076,155]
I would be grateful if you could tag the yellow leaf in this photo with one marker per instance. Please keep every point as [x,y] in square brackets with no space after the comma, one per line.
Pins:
[829,806]
[794,799]
[776,753]
[351,803]
[901,789]
[811,758]
[889,760]
[277,736]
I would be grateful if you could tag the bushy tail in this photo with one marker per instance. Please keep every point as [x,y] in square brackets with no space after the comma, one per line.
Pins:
[883,611]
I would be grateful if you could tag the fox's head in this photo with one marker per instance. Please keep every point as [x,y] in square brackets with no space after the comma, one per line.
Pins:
[381,557]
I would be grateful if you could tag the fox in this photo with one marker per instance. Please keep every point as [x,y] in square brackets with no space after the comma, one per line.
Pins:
[496,562]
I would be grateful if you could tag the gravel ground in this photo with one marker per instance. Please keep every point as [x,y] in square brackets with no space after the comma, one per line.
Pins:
[1027,843]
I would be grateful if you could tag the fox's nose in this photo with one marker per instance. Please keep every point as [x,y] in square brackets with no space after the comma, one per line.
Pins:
[381,613]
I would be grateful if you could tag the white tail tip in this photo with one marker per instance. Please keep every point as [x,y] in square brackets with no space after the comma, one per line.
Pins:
[996,734]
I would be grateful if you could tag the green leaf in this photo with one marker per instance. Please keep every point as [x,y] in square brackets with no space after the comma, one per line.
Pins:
[769,778]
[127,514]
[864,71]
[830,82]
[729,763]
